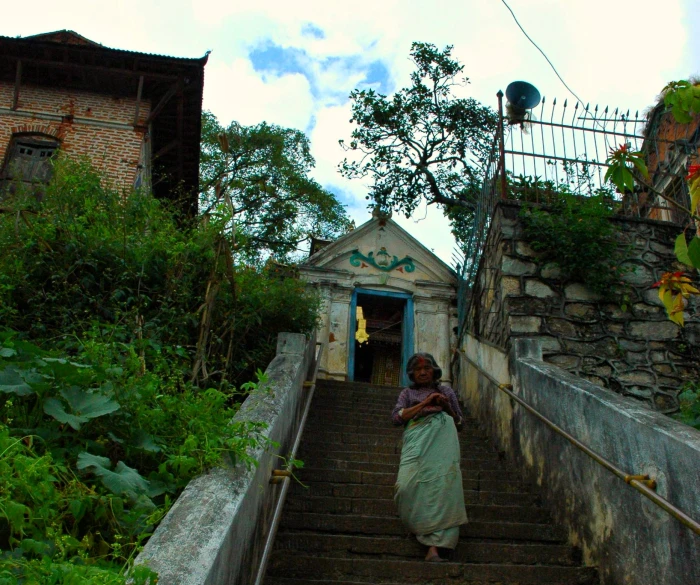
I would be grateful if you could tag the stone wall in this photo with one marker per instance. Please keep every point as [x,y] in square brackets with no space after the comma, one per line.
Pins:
[637,352]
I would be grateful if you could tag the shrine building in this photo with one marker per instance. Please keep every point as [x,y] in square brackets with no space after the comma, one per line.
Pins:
[384,297]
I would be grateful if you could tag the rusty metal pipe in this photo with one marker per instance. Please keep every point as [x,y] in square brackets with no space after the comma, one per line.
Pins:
[641,483]
[284,476]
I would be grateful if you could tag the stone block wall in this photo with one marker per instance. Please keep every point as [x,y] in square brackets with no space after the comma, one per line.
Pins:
[637,352]
[100,127]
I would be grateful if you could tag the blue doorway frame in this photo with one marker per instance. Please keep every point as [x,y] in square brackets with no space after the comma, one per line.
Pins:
[406,329]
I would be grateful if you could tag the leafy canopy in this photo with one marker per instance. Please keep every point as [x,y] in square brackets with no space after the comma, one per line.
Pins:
[259,176]
[422,143]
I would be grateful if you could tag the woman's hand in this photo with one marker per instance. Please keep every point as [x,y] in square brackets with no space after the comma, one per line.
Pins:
[434,399]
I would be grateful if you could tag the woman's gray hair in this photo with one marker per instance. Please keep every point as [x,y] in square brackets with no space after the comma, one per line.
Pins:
[415,358]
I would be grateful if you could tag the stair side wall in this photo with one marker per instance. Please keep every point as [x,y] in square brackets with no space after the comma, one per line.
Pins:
[630,539]
[215,532]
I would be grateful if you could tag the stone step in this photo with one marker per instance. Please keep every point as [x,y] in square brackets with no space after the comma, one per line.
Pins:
[358,453]
[340,525]
[386,492]
[467,551]
[338,386]
[471,479]
[353,424]
[382,525]
[376,507]
[342,410]
[321,462]
[383,430]
[417,571]
[385,427]
[359,397]
[312,435]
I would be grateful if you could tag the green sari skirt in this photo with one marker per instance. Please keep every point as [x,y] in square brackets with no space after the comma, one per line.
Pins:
[428,490]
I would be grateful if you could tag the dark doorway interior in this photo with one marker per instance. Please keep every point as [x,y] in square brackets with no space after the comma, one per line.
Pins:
[378,360]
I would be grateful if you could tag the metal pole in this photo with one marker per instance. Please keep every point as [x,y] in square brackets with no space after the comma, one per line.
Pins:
[640,483]
[501,147]
[285,476]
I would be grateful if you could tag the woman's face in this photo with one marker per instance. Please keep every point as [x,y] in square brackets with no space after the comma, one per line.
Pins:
[423,373]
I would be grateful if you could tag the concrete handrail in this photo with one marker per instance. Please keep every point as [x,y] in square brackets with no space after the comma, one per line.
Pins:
[215,532]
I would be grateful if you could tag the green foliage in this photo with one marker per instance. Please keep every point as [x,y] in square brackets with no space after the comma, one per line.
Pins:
[422,143]
[108,480]
[622,162]
[576,233]
[683,98]
[689,399]
[90,263]
[257,177]
[103,418]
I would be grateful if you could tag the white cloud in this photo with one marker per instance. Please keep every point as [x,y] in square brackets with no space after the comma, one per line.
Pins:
[237,92]
[618,53]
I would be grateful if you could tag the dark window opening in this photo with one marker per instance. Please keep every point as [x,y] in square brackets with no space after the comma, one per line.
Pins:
[28,165]
[378,360]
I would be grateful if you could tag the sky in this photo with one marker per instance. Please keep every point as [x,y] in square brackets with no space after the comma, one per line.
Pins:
[295,63]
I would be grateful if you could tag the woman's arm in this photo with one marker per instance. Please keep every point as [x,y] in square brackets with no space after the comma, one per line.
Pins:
[450,405]
[402,412]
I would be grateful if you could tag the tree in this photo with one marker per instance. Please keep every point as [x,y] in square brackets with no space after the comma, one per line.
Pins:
[259,176]
[423,143]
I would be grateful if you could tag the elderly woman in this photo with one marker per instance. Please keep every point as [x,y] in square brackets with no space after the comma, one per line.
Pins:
[428,490]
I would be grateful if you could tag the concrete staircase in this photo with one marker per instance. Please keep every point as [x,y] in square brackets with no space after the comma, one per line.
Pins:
[342,528]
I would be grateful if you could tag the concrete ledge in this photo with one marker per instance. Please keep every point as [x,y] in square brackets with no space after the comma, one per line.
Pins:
[631,539]
[215,532]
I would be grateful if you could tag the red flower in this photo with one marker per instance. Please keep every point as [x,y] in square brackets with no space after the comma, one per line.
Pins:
[624,147]
[693,172]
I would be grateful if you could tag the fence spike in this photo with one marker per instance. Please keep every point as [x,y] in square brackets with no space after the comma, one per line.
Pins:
[543,98]
[576,107]
[554,103]
[587,106]
[565,102]
[605,111]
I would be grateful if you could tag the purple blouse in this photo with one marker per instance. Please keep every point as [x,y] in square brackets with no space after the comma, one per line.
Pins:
[411,396]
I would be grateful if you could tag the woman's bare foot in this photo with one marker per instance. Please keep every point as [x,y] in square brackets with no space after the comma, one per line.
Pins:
[433,555]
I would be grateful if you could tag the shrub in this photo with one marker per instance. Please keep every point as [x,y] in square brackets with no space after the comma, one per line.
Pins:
[576,233]
[106,303]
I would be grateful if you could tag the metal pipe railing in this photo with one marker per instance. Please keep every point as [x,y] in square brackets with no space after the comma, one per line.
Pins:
[641,483]
[284,476]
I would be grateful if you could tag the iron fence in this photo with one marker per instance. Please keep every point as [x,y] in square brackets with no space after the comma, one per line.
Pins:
[563,148]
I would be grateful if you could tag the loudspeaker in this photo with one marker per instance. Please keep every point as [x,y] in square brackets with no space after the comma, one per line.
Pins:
[522,95]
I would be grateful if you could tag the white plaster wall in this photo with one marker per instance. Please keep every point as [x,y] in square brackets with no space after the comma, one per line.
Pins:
[432,331]
[324,324]
[338,334]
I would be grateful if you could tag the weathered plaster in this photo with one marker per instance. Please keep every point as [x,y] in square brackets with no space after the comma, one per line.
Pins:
[631,539]
[338,319]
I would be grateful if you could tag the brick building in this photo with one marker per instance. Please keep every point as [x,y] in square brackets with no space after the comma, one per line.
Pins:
[670,147]
[136,116]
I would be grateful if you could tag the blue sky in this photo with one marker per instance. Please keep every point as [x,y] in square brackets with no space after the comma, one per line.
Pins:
[294,64]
